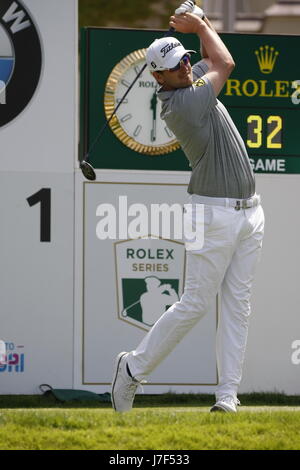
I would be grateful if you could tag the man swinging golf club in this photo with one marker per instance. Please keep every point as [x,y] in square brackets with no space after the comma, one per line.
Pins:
[222,180]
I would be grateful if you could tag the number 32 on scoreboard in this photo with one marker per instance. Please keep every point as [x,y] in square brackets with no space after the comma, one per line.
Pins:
[255,132]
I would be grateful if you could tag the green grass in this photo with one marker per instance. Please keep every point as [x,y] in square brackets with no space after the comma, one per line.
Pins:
[157,422]
[170,428]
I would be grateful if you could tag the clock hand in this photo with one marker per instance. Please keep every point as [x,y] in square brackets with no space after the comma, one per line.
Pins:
[153,106]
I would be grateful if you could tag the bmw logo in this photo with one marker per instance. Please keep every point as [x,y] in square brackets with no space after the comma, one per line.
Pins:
[20,59]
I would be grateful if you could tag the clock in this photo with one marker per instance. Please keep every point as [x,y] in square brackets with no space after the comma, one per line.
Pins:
[137,123]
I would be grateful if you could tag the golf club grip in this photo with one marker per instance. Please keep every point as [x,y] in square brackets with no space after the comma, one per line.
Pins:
[171,31]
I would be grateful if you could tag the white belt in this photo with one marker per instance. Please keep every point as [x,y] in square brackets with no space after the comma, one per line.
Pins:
[238,204]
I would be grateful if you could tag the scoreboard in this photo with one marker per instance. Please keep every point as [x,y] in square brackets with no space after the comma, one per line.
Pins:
[262,96]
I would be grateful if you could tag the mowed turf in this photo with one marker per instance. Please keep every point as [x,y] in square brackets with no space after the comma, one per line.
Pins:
[157,428]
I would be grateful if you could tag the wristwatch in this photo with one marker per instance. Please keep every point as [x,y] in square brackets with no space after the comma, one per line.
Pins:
[137,123]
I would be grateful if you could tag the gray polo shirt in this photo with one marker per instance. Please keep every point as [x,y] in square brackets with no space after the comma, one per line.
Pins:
[209,139]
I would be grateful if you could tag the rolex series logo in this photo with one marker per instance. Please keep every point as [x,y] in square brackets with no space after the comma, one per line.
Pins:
[150,278]
[266,57]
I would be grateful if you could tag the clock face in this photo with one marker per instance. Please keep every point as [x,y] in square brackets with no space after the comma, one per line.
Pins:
[137,122]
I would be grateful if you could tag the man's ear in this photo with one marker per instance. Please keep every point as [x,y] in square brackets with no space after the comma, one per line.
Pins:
[158,77]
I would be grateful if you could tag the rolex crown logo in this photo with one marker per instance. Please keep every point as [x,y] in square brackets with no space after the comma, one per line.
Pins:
[266,57]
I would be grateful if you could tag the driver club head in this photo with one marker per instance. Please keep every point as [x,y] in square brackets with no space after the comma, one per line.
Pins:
[87,170]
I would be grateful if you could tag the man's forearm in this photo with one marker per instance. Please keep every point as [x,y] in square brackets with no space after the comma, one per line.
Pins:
[213,47]
[203,51]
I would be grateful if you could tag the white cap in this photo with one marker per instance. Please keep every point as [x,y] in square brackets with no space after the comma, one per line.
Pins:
[165,53]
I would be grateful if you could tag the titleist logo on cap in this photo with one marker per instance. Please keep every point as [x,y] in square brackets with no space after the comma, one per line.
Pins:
[169,47]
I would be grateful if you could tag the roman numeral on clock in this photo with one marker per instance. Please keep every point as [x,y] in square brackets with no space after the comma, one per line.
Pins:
[125,83]
[168,132]
[126,117]
[137,130]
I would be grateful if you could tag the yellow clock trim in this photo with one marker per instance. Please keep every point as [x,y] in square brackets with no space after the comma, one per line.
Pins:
[110,104]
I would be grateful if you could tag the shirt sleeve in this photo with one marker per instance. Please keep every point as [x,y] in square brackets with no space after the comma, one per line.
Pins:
[200,69]
[195,102]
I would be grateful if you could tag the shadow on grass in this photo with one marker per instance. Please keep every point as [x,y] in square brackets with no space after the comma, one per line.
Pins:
[163,400]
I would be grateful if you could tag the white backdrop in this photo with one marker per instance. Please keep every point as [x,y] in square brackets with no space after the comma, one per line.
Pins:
[38,151]
[110,278]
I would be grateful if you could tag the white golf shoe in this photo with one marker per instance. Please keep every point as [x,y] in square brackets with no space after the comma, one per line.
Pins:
[124,387]
[227,404]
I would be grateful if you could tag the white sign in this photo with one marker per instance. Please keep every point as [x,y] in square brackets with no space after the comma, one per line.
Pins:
[38,134]
[129,283]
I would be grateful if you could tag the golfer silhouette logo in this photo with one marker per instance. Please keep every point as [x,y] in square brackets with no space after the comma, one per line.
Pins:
[154,301]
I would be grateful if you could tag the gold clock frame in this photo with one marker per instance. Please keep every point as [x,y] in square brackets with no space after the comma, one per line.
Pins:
[110,104]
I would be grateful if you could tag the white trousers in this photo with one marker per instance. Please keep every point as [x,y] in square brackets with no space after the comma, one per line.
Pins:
[225,265]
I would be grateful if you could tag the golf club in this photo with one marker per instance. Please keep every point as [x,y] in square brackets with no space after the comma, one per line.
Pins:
[85,165]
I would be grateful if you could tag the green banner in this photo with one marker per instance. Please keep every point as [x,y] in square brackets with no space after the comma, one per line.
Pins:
[262,96]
